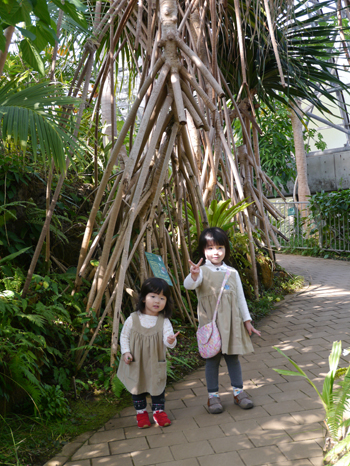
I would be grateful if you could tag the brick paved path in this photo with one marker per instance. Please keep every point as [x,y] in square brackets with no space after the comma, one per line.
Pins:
[284,428]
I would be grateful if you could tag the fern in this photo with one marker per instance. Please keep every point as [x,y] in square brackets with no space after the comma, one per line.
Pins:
[117,386]
[336,401]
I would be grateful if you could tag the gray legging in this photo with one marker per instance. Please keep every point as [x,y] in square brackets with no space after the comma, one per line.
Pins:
[212,371]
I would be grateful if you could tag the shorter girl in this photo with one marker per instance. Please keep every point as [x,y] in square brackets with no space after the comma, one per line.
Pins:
[143,341]
[233,318]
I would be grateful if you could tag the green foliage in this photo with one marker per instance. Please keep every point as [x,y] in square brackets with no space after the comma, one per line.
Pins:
[35,26]
[219,214]
[117,387]
[53,403]
[276,145]
[306,38]
[35,114]
[35,333]
[336,402]
[329,213]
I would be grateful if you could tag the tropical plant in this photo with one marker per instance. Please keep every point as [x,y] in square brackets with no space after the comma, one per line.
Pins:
[34,23]
[335,398]
[219,214]
[36,114]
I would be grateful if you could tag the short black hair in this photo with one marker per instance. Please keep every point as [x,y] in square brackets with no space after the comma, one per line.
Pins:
[217,236]
[156,285]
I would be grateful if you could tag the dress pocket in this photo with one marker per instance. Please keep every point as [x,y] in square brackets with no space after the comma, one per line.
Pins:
[161,373]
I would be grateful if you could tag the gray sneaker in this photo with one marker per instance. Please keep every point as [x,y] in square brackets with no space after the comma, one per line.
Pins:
[214,405]
[243,401]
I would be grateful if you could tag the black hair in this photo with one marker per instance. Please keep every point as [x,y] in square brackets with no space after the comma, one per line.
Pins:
[156,285]
[218,237]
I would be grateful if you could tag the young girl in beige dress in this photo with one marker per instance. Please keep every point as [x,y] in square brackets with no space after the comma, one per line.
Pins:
[233,319]
[144,338]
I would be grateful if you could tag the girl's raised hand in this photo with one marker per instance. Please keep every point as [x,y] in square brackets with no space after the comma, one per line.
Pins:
[172,338]
[250,329]
[194,269]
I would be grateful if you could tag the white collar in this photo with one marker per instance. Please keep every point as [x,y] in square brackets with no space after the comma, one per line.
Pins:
[215,268]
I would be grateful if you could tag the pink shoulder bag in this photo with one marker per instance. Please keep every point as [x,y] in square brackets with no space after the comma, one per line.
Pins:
[208,336]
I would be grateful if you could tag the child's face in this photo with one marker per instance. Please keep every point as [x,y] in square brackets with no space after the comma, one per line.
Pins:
[214,253]
[154,303]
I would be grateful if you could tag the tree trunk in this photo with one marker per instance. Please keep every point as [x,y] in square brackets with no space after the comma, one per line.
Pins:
[8,34]
[300,157]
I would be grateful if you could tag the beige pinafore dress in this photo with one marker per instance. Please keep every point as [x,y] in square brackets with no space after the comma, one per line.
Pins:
[147,371]
[234,337]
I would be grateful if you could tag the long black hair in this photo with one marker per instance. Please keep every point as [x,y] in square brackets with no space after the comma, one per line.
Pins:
[156,285]
[216,236]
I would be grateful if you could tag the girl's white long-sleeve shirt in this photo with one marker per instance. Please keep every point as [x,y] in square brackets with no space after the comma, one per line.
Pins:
[146,321]
[190,284]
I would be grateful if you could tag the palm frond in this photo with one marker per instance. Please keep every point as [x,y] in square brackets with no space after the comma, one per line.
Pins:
[37,115]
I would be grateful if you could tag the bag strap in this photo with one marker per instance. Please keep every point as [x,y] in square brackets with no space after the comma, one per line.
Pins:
[227,274]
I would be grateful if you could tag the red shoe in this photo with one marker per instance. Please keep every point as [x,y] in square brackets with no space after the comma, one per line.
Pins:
[161,418]
[143,420]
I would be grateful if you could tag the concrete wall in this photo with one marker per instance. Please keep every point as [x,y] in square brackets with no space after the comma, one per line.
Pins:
[329,170]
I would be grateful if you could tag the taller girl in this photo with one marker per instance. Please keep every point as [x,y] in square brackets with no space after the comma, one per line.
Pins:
[233,318]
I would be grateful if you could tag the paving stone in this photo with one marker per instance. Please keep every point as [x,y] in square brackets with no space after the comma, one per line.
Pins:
[235,443]
[266,389]
[281,408]
[303,462]
[298,450]
[174,404]
[237,428]
[240,414]
[309,417]
[309,403]
[134,431]
[205,420]
[188,384]
[70,448]
[260,437]
[120,422]
[56,461]
[221,459]
[165,440]
[186,462]
[130,411]
[107,436]
[306,432]
[196,401]
[91,451]
[151,457]
[184,413]
[192,450]
[262,456]
[115,460]
[281,422]
[200,391]
[78,463]
[129,445]
[179,395]
[204,433]
[262,400]
[179,424]
[317,461]
[286,396]
[83,437]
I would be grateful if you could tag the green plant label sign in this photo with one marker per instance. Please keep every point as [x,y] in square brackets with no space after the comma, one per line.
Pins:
[158,267]
[291,211]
